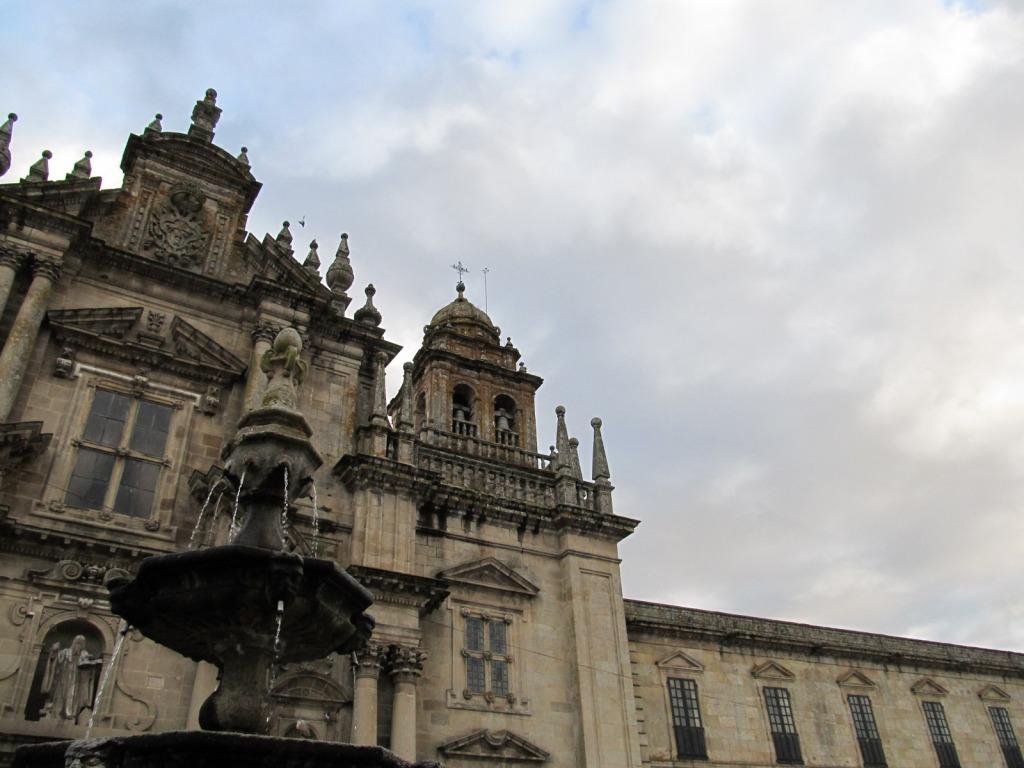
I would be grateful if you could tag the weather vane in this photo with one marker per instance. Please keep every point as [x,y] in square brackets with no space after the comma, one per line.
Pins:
[460,269]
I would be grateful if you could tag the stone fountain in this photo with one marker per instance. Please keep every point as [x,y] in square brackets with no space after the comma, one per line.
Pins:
[244,607]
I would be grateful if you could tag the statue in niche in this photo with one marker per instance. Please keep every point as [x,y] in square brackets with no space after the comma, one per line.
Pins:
[69,680]
[176,233]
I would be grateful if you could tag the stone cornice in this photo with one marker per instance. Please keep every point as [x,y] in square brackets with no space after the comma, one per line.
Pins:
[422,592]
[362,470]
[593,523]
[731,630]
[424,356]
[21,442]
[22,205]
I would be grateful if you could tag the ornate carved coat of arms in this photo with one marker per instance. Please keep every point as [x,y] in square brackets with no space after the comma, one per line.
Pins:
[175,230]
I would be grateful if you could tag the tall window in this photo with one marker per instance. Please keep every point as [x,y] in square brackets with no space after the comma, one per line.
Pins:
[120,455]
[682,695]
[867,730]
[487,656]
[935,715]
[783,726]
[1007,738]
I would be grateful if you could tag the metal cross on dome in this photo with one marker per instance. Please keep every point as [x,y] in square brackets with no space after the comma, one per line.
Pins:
[460,269]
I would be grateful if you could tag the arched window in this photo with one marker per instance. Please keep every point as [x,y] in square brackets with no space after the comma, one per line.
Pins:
[462,411]
[67,673]
[505,417]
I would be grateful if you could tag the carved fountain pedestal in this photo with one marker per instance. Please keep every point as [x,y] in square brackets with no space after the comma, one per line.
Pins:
[245,607]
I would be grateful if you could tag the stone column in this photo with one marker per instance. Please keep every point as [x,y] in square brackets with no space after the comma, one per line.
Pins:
[10,262]
[24,331]
[364,698]
[255,380]
[406,665]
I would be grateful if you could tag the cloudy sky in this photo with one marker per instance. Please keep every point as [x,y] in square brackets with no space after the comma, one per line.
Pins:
[777,246]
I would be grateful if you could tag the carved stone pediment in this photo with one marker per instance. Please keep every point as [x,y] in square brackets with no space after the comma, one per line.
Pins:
[680,662]
[855,679]
[490,573]
[993,693]
[494,745]
[928,687]
[116,332]
[772,670]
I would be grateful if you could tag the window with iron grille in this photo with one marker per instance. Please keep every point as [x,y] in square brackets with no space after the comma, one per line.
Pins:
[120,454]
[783,726]
[867,730]
[1007,738]
[686,722]
[942,739]
[487,656]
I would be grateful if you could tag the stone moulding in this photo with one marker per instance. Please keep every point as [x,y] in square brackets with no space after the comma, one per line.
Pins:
[504,746]
[750,632]
[490,573]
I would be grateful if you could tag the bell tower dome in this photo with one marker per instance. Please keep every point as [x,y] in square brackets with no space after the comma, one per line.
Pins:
[468,386]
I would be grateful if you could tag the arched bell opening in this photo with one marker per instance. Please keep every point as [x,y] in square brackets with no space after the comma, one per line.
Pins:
[463,415]
[506,416]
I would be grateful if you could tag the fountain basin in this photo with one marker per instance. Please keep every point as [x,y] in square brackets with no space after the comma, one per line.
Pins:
[221,605]
[197,749]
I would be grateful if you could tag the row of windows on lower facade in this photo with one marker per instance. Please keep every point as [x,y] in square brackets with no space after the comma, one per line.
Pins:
[690,741]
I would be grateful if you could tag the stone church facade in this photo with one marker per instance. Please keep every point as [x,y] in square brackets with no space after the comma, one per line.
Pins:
[132,320]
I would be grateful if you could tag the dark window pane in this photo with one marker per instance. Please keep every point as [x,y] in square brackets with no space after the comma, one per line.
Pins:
[935,716]
[149,435]
[106,418]
[474,634]
[783,726]
[138,486]
[475,674]
[499,677]
[1007,737]
[686,723]
[498,644]
[867,730]
[89,480]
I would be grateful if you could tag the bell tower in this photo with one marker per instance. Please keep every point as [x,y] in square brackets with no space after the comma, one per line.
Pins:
[469,386]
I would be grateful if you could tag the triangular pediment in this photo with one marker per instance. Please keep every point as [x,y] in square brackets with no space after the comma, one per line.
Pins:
[151,342]
[855,679]
[771,670]
[928,687]
[111,322]
[682,662]
[494,745]
[193,344]
[993,693]
[490,573]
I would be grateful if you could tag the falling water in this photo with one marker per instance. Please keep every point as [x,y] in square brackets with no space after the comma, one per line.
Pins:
[284,510]
[211,529]
[234,515]
[106,675]
[316,519]
[272,677]
[202,511]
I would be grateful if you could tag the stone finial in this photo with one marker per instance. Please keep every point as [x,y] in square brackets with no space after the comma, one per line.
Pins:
[600,464]
[243,157]
[40,170]
[5,143]
[460,288]
[564,465]
[574,458]
[405,422]
[156,126]
[285,370]
[339,274]
[284,237]
[368,314]
[522,367]
[205,115]
[82,169]
[312,261]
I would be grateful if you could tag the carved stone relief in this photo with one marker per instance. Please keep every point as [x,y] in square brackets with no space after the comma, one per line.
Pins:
[176,234]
